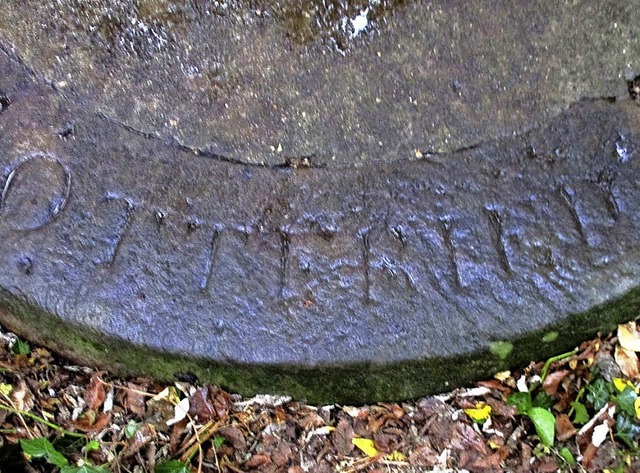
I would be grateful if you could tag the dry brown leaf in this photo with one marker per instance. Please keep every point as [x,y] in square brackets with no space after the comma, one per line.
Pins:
[494,384]
[341,437]
[464,437]
[200,406]
[22,397]
[500,409]
[588,455]
[629,336]
[283,454]
[280,414]
[491,462]
[90,423]
[547,465]
[134,399]
[423,456]
[221,401]
[564,428]
[386,443]
[552,381]
[627,361]
[258,460]
[94,394]
[234,436]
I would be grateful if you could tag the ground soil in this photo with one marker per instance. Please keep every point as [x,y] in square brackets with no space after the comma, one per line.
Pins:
[137,425]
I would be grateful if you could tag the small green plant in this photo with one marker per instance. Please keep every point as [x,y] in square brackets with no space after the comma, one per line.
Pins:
[536,410]
[172,466]
[43,448]
[624,396]
[20,347]
[567,456]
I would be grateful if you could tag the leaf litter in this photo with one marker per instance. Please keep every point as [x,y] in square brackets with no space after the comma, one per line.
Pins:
[576,412]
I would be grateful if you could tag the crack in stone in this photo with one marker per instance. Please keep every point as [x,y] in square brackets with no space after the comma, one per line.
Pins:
[289,162]
[174,143]
[305,161]
[14,56]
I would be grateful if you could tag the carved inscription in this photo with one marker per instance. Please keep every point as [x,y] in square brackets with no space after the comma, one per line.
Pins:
[115,216]
[35,191]
[411,232]
[426,254]
[496,225]
[209,261]
[252,268]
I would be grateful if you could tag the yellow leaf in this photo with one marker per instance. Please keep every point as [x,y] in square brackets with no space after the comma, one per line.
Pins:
[366,445]
[629,336]
[480,413]
[396,456]
[621,383]
[493,445]
[5,389]
[636,407]
[502,375]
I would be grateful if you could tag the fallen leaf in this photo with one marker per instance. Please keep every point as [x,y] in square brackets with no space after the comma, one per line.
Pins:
[234,436]
[144,434]
[341,437]
[134,399]
[179,411]
[386,443]
[627,360]
[500,409]
[564,428]
[326,430]
[466,438]
[95,393]
[5,388]
[588,455]
[200,407]
[91,423]
[352,411]
[502,375]
[629,337]
[280,414]
[283,454]
[258,460]
[491,462]
[600,433]
[22,397]
[552,381]
[480,413]
[366,446]
[546,465]
[423,456]
[497,385]
[222,402]
[621,384]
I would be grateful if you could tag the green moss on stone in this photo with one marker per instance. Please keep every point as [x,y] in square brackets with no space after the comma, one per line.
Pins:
[348,383]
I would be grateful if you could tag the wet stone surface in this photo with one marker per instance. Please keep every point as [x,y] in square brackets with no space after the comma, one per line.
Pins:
[158,224]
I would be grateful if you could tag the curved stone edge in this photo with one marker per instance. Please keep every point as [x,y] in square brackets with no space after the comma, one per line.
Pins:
[328,384]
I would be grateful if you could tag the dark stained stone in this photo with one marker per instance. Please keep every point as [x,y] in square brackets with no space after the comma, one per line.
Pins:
[343,203]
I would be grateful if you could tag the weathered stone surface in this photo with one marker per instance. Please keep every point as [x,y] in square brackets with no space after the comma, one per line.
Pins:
[340,217]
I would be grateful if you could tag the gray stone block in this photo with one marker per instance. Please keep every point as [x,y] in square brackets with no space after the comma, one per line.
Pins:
[274,200]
